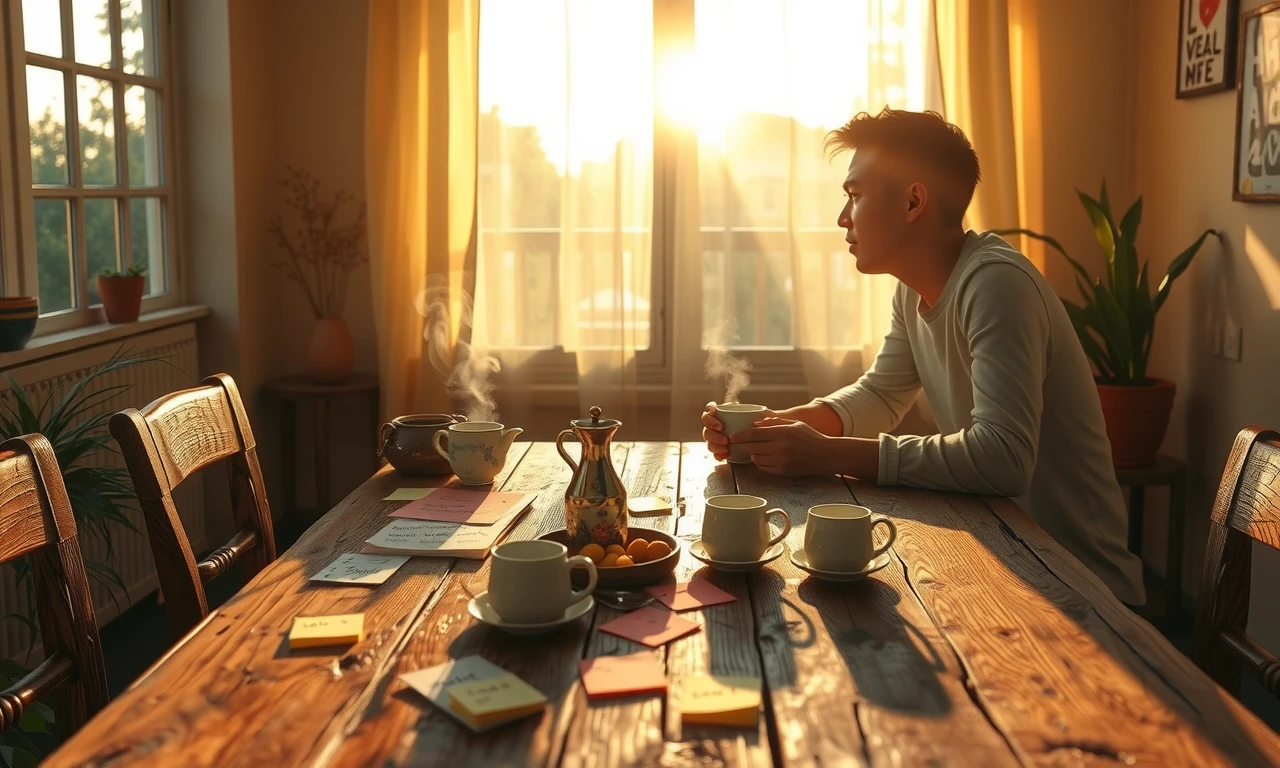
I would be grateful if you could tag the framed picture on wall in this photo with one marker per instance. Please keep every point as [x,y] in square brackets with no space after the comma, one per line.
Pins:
[1206,46]
[1257,159]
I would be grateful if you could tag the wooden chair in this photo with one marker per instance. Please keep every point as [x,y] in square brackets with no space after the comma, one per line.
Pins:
[166,443]
[36,520]
[1247,509]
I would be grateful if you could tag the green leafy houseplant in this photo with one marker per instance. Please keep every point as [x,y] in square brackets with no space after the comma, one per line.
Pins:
[1115,319]
[133,270]
[74,421]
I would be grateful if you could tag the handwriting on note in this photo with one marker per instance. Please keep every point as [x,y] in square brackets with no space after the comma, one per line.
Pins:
[436,682]
[612,676]
[650,626]
[457,505]
[498,698]
[314,631]
[355,568]
[690,595]
[720,700]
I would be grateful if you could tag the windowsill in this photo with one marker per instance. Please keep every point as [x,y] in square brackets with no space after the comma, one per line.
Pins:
[63,342]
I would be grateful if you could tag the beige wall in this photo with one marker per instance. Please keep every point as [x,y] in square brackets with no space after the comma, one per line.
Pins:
[1183,152]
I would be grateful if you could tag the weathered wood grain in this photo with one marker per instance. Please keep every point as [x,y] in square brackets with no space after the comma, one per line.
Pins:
[23,527]
[232,694]
[397,727]
[653,469]
[858,673]
[1054,678]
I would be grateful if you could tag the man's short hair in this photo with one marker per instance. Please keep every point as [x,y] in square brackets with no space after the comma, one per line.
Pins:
[925,136]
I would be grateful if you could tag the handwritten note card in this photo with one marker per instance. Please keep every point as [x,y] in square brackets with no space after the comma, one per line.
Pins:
[457,505]
[318,631]
[432,683]
[650,626]
[407,494]
[690,595]
[426,537]
[643,506]
[608,677]
[501,698]
[718,700]
[353,568]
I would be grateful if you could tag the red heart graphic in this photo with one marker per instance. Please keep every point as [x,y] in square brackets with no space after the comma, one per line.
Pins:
[1208,9]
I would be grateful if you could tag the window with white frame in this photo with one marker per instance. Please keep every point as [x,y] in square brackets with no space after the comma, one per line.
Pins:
[592,217]
[93,185]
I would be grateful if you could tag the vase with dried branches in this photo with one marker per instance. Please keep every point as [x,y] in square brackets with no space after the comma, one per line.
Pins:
[319,255]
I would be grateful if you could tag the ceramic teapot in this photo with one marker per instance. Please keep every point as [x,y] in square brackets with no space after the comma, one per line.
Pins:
[406,442]
[595,505]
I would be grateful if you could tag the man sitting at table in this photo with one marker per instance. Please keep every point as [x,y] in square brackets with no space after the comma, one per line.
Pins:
[975,325]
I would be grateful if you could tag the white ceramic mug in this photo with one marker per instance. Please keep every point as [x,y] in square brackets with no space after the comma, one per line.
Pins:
[476,450]
[529,581]
[735,527]
[838,537]
[739,417]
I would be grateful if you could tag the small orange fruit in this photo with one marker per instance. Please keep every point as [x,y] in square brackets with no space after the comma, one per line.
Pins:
[657,550]
[615,548]
[610,560]
[623,561]
[593,551]
[636,550]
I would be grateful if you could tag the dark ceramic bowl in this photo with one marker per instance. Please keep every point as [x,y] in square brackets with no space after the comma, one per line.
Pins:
[18,316]
[642,574]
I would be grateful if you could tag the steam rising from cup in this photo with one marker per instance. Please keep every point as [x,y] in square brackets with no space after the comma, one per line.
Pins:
[734,371]
[468,382]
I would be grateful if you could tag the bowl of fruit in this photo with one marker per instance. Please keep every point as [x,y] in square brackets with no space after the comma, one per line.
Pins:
[648,557]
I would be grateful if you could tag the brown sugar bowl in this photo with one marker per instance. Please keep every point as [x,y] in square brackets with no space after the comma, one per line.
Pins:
[638,575]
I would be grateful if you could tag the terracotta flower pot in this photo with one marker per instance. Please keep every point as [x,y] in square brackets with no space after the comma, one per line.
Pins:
[121,297]
[1137,418]
[331,353]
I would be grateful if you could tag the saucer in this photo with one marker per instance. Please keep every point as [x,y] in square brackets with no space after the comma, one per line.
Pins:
[800,560]
[480,608]
[772,553]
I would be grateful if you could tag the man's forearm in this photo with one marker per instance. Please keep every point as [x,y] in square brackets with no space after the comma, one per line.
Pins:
[820,416]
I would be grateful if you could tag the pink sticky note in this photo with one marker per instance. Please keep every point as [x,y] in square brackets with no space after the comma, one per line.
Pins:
[690,595]
[455,505]
[611,676]
[650,626]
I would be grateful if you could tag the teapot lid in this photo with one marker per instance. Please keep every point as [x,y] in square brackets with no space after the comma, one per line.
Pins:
[595,422]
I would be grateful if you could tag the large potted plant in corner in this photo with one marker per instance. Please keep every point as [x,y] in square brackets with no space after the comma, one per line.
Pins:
[1115,321]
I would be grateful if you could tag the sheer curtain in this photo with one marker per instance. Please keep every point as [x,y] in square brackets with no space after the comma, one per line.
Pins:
[653,194]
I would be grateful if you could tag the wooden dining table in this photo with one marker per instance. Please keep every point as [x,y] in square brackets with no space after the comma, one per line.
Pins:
[982,643]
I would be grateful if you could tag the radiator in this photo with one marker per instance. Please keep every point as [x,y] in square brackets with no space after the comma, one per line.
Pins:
[131,554]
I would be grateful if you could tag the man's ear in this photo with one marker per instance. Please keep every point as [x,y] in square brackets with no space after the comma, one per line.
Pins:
[917,198]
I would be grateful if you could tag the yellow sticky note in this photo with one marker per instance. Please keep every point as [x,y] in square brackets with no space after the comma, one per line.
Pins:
[408,494]
[499,698]
[720,700]
[315,631]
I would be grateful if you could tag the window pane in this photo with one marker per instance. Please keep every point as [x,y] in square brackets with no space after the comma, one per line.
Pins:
[47,111]
[42,27]
[97,131]
[91,22]
[137,19]
[53,255]
[101,240]
[142,117]
[147,230]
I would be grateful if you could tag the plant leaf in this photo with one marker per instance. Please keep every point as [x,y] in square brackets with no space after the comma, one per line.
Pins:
[1103,232]
[1142,316]
[1179,265]
[1103,201]
[1115,329]
[1080,321]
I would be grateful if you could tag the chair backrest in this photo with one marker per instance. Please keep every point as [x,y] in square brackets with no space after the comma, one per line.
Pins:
[163,445]
[36,521]
[1247,509]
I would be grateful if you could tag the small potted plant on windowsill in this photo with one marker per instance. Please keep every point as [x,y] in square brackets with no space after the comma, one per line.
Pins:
[121,293]
[1115,322]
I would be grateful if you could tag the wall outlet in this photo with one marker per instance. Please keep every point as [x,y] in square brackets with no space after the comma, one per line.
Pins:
[1232,339]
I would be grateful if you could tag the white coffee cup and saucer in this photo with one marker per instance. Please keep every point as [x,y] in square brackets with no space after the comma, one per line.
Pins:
[735,533]
[529,591]
[838,543]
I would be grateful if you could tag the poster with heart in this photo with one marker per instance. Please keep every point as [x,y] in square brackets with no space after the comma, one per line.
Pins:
[1206,46]
[1257,159]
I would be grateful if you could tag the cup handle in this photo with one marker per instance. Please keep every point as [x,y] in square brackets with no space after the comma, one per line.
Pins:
[436,440]
[786,524]
[893,534]
[384,434]
[592,575]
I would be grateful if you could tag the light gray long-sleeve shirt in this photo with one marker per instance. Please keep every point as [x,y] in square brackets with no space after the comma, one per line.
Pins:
[1015,401]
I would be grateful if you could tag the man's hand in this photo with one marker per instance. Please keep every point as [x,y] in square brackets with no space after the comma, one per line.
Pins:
[713,431]
[788,447]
